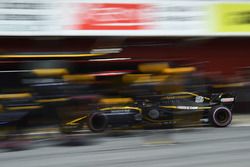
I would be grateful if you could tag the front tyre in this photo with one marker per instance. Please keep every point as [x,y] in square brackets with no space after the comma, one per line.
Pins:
[220,116]
[97,122]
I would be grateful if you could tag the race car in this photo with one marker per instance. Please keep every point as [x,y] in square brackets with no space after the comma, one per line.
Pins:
[164,111]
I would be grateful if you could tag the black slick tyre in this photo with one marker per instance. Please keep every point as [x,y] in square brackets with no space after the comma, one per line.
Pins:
[220,116]
[97,122]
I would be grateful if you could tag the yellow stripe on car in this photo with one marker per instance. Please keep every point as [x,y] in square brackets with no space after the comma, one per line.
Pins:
[189,93]
[170,107]
[176,97]
[74,122]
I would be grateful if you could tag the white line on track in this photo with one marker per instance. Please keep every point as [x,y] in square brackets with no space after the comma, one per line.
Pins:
[240,125]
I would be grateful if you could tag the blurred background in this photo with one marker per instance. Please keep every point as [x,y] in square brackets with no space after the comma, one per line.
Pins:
[60,58]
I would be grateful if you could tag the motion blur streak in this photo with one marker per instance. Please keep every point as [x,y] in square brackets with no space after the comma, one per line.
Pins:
[50,56]
[150,95]
[113,83]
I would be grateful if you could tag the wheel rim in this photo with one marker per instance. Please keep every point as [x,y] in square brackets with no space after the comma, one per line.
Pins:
[222,116]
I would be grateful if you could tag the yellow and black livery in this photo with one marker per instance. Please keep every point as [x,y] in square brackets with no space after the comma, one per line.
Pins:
[165,111]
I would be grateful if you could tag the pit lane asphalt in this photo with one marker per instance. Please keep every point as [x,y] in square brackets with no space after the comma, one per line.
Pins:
[224,147]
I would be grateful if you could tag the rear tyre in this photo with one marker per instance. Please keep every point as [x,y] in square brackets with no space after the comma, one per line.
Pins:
[220,116]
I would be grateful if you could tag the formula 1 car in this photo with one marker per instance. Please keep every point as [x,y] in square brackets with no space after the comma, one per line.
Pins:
[170,110]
